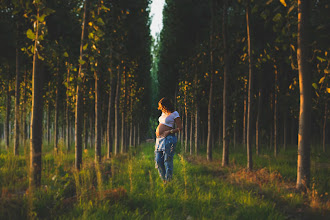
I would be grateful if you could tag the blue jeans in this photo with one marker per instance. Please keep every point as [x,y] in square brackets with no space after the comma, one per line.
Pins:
[164,152]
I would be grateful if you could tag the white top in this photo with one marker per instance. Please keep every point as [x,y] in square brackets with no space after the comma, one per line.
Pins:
[168,120]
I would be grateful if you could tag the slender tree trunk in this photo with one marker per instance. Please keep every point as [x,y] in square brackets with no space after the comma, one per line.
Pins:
[186,133]
[48,122]
[117,112]
[244,116]
[109,130]
[131,124]
[85,127]
[17,97]
[24,123]
[134,137]
[275,111]
[191,133]
[67,109]
[56,111]
[285,129]
[36,118]
[196,129]
[249,114]
[258,120]
[138,136]
[8,107]
[210,111]
[97,117]
[324,124]
[79,98]
[225,136]
[305,75]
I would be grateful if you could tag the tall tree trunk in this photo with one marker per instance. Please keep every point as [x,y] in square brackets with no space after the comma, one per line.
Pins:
[191,133]
[186,132]
[258,120]
[134,137]
[17,97]
[249,114]
[275,111]
[48,122]
[36,117]
[97,117]
[196,129]
[305,75]
[109,124]
[8,107]
[210,110]
[324,124]
[67,114]
[225,136]
[123,135]
[56,111]
[79,98]
[285,128]
[85,127]
[244,116]
[131,124]
[117,112]
[24,123]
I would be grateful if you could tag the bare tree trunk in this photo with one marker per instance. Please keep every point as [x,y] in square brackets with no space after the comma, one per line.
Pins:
[324,124]
[134,137]
[48,122]
[97,117]
[249,114]
[191,133]
[196,129]
[275,111]
[17,97]
[303,56]
[67,110]
[225,136]
[56,111]
[285,129]
[36,118]
[79,98]
[210,112]
[186,133]
[109,130]
[24,124]
[258,120]
[8,107]
[244,116]
[85,127]
[117,112]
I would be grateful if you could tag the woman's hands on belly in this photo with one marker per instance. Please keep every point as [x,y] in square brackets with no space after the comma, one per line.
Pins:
[160,131]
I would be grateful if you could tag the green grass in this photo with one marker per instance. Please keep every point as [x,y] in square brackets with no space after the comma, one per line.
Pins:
[128,187]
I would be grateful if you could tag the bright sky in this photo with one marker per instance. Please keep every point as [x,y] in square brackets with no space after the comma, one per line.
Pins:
[156,12]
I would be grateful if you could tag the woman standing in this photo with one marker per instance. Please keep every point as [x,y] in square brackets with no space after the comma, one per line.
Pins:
[166,139]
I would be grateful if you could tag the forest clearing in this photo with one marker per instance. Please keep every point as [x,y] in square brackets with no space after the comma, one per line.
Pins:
[223,113]
[128,187]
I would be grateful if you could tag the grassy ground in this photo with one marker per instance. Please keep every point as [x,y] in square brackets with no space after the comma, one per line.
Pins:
[128,187]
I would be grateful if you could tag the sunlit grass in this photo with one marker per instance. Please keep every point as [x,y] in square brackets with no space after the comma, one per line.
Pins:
[128,186]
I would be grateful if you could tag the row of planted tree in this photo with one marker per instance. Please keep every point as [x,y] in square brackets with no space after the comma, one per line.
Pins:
[85,64]
[236,69]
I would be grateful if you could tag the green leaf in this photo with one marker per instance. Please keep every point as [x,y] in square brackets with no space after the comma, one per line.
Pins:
[48,11]
[85,46]
[65,54]
[277,17]
[315,86]
[82,62]
[320,59]
[100,21]
[30,34]
[41,18]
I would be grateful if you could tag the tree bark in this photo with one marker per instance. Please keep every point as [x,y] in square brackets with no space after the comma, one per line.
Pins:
[8,108]
[79,98]
[303,56]
[17,97]
[258,120]
[210,110]
[196,129]
[275,111]
[36,118]
[97,117]
[117,112]
[324,125]
[249,114]
[67,114]
[191,134]
[225,136]
[109,130]
[56,111]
